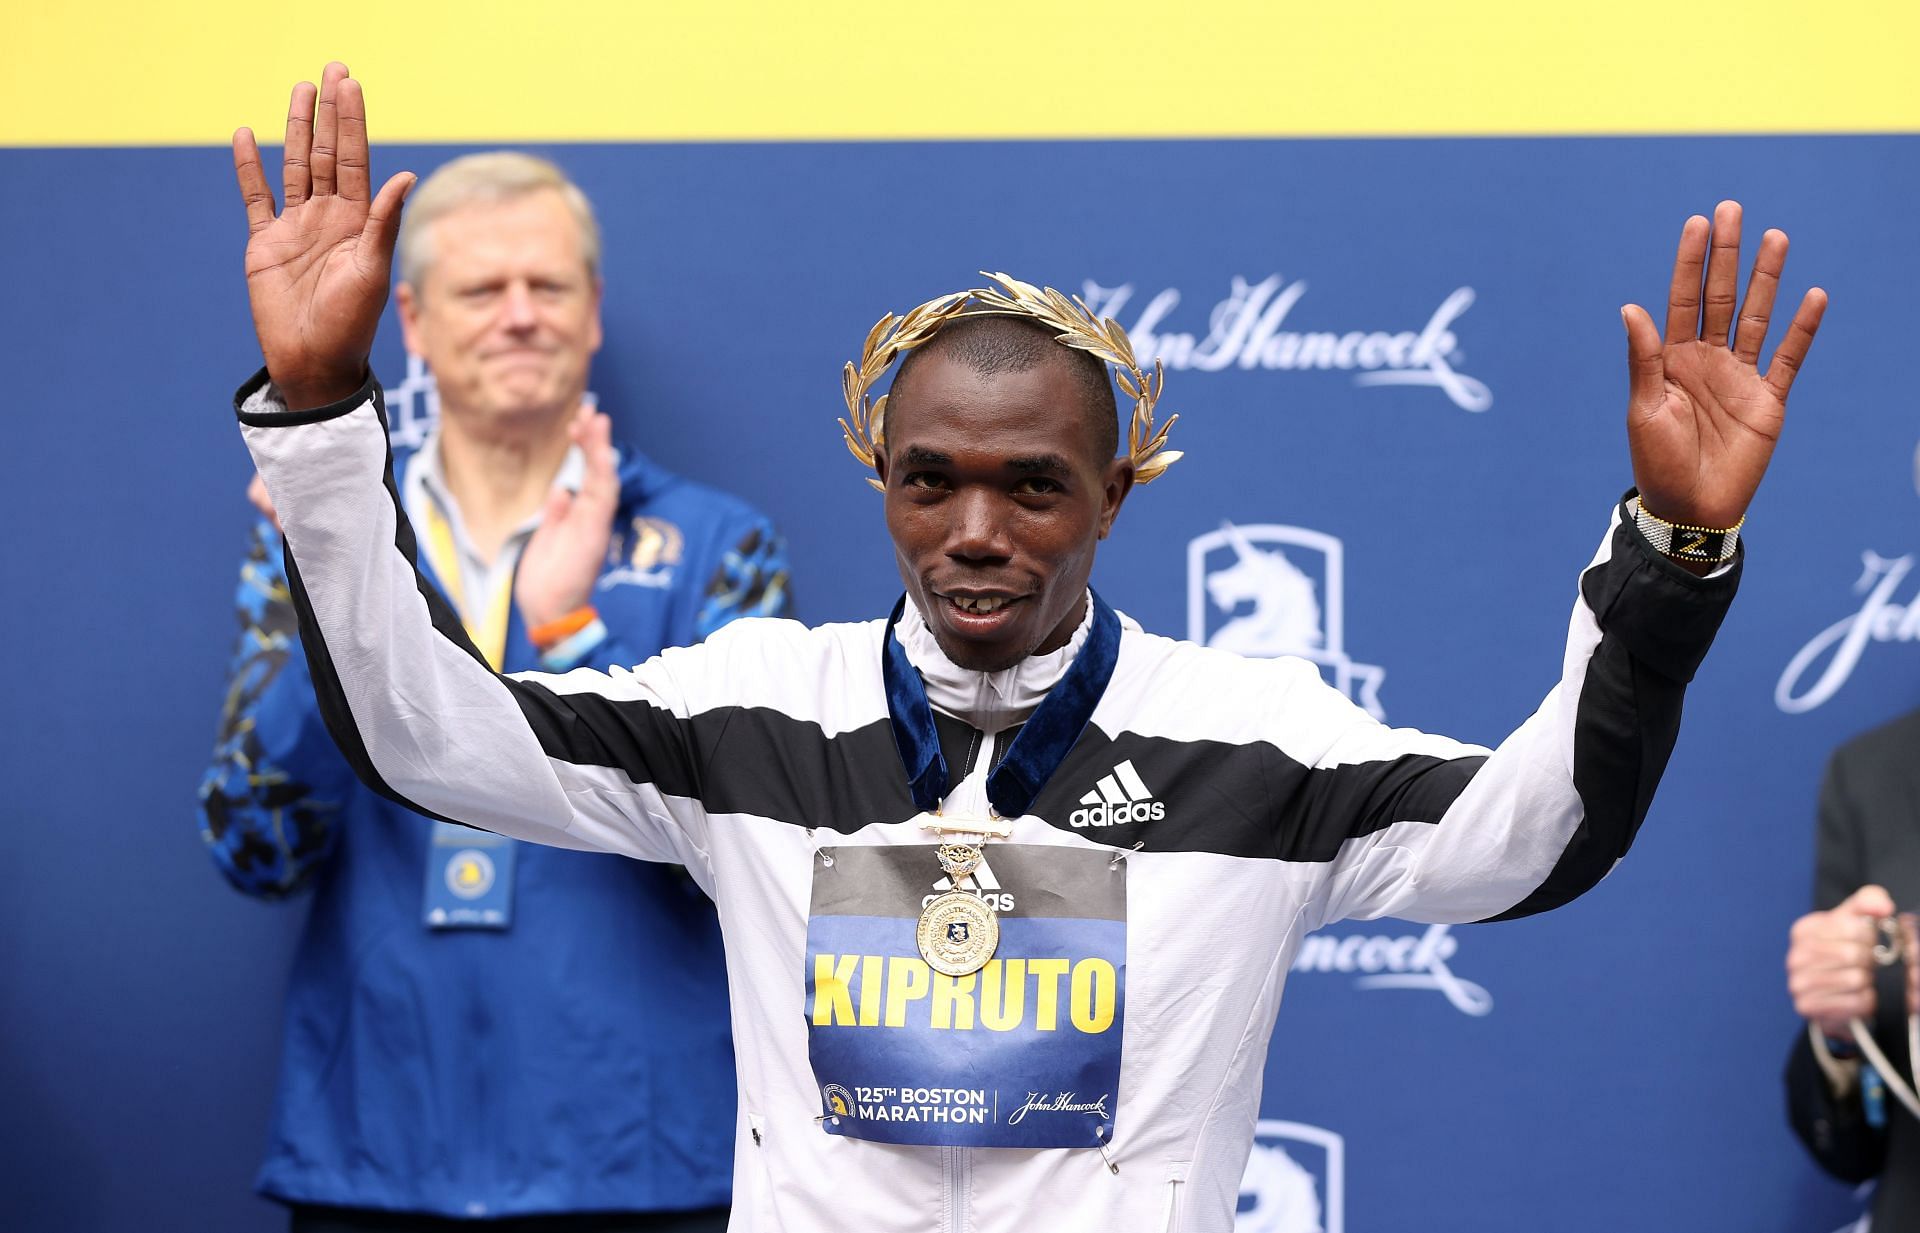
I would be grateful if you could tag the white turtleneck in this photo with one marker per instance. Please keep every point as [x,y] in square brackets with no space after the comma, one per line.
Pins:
[990,701]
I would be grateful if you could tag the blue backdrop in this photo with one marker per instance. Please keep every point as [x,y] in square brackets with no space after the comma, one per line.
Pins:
[1613,1065]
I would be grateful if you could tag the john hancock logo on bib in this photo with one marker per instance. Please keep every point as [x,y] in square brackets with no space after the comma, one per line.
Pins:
[1024,1052]
[1266,590]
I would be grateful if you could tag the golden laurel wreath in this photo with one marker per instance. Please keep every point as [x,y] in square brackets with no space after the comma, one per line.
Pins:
[1074,325]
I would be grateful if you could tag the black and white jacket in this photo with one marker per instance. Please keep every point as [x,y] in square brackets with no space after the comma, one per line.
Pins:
[1285,808]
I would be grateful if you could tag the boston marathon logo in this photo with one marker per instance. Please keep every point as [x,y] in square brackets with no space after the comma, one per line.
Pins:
[952,1106]
[470,873]
[1268,590]
[1249,330]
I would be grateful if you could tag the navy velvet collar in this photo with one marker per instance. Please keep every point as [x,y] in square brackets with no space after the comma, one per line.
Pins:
[1043,741]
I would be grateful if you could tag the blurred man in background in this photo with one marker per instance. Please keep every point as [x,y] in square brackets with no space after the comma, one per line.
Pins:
[1868,864]
[477,1028]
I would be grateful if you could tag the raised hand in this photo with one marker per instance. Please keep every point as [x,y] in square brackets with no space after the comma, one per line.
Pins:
[317,274]
[1701,418]
[564,556]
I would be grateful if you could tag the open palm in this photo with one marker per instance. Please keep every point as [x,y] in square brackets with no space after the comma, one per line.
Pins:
[317,273]
[1702,419]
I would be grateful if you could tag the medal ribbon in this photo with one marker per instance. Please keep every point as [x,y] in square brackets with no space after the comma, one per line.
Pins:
[1044,740]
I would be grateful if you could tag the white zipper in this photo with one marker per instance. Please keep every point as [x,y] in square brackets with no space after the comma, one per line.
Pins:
[967,798]
[956,1164]
[1176,1179]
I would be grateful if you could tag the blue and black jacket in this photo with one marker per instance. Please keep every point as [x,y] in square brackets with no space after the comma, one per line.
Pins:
[579,1059]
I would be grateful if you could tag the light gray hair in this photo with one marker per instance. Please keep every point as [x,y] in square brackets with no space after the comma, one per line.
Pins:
[495,176]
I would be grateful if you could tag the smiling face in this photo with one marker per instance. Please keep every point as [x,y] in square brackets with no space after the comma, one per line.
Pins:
[998,488]
[507,314]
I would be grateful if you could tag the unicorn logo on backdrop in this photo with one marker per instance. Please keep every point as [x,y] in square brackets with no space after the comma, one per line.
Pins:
[1285,619]
[1244,331]
[1268,590]
[1295,1181]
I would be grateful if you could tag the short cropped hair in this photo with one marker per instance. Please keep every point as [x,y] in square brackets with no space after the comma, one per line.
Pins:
[494,176]
[990,344]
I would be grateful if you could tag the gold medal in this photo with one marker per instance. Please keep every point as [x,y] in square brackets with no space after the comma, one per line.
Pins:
[958,933]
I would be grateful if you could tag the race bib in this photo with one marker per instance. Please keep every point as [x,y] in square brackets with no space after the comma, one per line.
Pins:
[1023,1053]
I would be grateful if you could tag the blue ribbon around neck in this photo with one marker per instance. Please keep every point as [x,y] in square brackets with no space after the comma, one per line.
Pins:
[1044,740]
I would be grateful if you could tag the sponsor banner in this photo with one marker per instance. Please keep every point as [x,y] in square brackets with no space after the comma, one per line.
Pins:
[1888,610]
[1417,961]
[1023,1053]
[1254,328]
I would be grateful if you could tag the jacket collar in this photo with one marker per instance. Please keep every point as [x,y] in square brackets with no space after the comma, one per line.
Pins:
[989,701]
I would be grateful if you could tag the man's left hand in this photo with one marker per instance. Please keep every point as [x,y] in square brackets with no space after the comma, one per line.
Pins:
[564,557]
[1702,419]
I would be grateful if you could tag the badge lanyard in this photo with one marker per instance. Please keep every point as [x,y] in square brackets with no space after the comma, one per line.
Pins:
[469,873]
[489,633]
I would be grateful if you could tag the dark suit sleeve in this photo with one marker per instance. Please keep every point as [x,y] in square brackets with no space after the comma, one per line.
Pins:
[1839,862]
[1834,1128]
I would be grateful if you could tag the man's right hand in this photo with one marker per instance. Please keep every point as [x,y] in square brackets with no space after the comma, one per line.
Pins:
[317,274]
[1830,962]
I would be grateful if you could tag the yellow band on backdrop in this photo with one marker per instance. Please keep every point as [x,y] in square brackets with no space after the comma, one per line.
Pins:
[139,72]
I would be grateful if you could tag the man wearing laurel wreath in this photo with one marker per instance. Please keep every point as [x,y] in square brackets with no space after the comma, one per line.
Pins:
[935,975]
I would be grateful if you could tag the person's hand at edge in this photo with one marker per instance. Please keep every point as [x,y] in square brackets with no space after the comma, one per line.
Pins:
[317,273]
